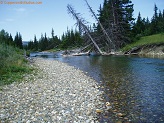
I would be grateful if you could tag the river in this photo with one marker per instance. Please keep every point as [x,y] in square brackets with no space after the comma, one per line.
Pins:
[133,85]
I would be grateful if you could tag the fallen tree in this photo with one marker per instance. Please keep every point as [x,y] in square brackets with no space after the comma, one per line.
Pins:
[109,40]
[82,26]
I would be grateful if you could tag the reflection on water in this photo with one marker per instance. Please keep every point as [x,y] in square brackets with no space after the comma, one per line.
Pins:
[133,85]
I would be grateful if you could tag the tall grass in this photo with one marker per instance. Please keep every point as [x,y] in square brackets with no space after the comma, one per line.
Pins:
[146,40]
[12,64]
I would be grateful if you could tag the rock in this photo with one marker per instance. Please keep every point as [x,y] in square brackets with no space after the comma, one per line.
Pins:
[55,93]
[99,111]
[108,104]
[120,114]
[108,107]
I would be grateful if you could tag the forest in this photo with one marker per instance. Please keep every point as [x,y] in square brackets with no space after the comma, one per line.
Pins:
[115,28]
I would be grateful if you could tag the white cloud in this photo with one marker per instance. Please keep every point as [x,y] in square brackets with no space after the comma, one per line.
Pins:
[20,9]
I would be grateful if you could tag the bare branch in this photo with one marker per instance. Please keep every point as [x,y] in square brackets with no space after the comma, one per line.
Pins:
[106,35]
[81,21]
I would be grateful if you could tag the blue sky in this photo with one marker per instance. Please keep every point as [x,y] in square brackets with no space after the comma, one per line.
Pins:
[34,19]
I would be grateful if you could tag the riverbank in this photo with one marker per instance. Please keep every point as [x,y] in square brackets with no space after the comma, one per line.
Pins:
[148,46]
[56,93]
[151,50]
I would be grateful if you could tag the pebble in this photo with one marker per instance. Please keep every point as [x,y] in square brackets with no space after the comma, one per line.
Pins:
[57,92]
[99,110]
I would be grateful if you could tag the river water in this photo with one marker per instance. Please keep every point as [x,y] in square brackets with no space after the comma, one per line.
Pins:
[133,85]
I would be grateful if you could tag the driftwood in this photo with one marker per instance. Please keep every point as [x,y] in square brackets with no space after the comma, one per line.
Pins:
[85,47]
[81,54]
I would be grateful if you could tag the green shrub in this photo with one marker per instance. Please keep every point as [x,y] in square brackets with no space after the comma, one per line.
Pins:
[12,64]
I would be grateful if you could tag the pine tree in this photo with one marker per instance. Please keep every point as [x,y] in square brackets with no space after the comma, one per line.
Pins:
[139,26]
[30,45]
[116,17]
[6,38]
[163,21]
[160,22]
[16,40]
[20,44]
[147,27]
[11,39]
[41,43]
[45,42]
[154,23]
[35,43]
[52,33]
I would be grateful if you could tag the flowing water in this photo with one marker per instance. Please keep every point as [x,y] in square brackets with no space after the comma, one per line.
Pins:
[133,85]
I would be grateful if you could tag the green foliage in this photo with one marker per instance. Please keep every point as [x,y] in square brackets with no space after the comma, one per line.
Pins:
[44,43]
[6,38]
[12,64]
[18,41]
[146,40]
[69,39]
[116,18]
[145,27]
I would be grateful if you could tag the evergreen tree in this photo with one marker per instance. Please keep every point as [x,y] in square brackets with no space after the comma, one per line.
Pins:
[52,33]
[160,22]
[71,39]
[35,43]
[20,43]
[16,40]
[147,27]
[53,41]
[10,39]
[154,23]
[116,18]
[41,43]
[139,26]
[163,21]
[6,38]
[30,45]
[45,42]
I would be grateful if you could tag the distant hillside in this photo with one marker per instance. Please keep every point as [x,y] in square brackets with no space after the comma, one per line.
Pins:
[25,43]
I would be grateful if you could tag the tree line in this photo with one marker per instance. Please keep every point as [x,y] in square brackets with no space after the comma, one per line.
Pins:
[69,39]
[116,18]
[6,38]
[146,26]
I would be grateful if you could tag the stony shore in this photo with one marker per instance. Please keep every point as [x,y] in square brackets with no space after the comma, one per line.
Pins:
[56,93]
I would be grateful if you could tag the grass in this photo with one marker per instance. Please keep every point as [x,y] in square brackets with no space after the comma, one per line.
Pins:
[13,65]
[146,40]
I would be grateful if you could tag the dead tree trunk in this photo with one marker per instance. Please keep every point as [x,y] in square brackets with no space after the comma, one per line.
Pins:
[105,33]
[83,26]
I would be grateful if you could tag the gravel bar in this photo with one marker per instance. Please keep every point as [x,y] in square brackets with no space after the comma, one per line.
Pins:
[56,93]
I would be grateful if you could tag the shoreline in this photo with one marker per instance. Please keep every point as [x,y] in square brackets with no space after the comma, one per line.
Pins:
[57,93]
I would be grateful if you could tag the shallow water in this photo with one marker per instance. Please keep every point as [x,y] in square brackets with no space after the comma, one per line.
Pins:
[134,86]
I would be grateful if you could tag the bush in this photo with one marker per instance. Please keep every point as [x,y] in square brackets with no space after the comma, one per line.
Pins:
[138,36]
[12,62]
